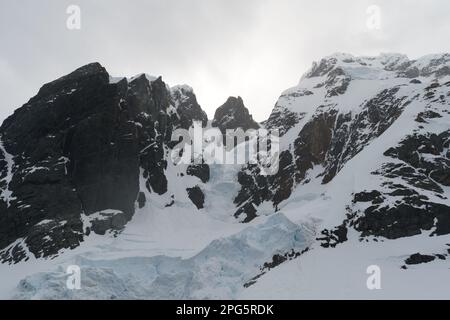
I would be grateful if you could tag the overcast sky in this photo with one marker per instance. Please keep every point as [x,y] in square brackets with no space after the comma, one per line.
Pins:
[252,48]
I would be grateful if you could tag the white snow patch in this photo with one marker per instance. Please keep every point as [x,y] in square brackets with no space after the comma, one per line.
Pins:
[5,193]
[216,272]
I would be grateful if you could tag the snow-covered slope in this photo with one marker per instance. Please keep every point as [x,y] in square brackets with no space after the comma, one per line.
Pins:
[339,107]
[217,271]
[379,189]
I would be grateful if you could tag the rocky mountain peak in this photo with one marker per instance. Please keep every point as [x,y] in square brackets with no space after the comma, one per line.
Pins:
[88,70]
[385,65]
[75,157]
[185,102]
[93,72]
[232,115]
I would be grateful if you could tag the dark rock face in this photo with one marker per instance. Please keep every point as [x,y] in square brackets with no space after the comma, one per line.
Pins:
[337,82]
[141,200]
[150,101]
[200,171]
[329,139]
[277,260]
[437,167]
[411,211]
[437,66]
[197,196]
[403,209]
[108,221]
[426,115]
[371,196]
[187,106]
[313,143]
[332,137]
[409,216]
[412,72]
[232,115]
[40,137]
[283,120]
[418,258]
[331,238]
[75,153]
[309,148]
[322,68]
[350,136]
[257,188]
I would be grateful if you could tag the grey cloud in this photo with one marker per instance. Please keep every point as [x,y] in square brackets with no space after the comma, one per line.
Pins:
[252,48]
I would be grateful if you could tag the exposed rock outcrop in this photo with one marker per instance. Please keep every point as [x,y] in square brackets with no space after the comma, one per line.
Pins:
[329,133]
[187,106]
[232,115]
[72,158]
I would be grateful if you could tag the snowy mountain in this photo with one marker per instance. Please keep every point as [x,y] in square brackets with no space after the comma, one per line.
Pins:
[363,179]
